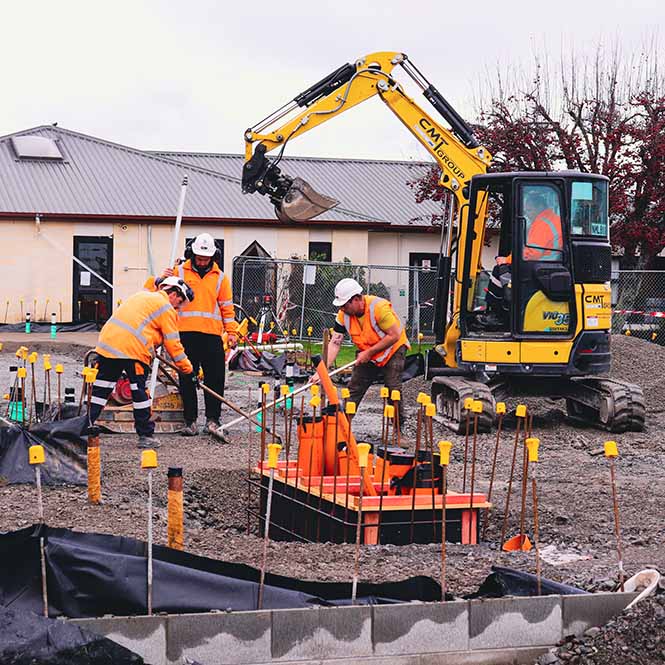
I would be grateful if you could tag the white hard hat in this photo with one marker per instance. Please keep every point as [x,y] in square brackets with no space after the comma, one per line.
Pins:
[345,289]
[204,245]
[174,282]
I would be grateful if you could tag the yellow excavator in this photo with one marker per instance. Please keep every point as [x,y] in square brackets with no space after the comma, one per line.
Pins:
[549,334]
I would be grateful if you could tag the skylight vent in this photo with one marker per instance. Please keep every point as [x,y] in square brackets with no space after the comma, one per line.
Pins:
[36,147]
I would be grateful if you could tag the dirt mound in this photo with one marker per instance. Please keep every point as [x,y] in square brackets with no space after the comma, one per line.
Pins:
[643,363]
[635,636]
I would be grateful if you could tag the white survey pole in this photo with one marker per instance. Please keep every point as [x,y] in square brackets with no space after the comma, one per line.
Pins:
[174,252]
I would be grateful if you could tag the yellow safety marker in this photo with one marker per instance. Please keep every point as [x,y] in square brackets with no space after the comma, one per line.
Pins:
[273,455]
[520,411]
[59,369]
[389,411]
[532,445]
[315,402]
[284,390]
[350,408]
[36,458]
[363,459]
[384,392]
[500,408]
[346,393]
[22,373]
[430,410]
[32,358]
[174,526]
[423,398]
[611,453]
[395,395]
[265,388]
[149,462]
[444,460]
[315,389]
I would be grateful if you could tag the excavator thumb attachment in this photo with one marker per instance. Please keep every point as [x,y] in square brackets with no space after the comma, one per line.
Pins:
[301,203]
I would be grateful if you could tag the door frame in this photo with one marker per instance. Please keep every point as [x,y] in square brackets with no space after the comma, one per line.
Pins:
[76,283]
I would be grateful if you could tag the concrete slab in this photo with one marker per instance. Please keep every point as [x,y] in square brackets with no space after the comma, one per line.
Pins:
[523,656]
[219,637]
[421,628]
[584,611]
[514,622]
[145,636]
[322,633]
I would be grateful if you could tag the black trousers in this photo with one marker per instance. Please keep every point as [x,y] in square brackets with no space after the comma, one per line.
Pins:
[109,371]
[204,351]
[364,375]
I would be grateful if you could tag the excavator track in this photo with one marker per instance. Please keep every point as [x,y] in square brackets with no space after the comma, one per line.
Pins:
[616,406]
[449,393]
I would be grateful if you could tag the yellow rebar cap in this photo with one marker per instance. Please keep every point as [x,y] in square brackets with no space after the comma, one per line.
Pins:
[388,411]
[59,368]
[32,358]
[384,392]
[350,408]
[420,337]
[265,388]
[468,403]
[611,449]
[532,444]
[310,330]
[22,373]
[47,365]
[91,376]
[294,332]
[36,454]
[284,390]
[520,411]
[477,406]
[363,454]
[346,393]
[500,407]
[273,454]
[395,395]
[315,389]
[430,410]
[149,459]
[422,398]
[315,401]
[444,452]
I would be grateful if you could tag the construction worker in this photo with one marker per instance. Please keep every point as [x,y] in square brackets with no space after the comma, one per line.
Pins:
[126,343]
[497,315]
[376,331]
[544,239]
[201,325]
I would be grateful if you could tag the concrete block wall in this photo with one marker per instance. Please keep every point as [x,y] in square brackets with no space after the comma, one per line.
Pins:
[504,630]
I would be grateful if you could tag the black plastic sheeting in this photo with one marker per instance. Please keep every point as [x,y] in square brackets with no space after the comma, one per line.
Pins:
[65,452]
[46,327]
[91,574]
[509,582]
[28,639]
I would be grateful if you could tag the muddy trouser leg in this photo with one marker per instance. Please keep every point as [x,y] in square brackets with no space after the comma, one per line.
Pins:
[191,342]
[108,372]
[140,400]
[213,362]
[362,378]
[392,374]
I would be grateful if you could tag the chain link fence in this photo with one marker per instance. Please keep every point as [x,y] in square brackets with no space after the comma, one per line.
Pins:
[301,294]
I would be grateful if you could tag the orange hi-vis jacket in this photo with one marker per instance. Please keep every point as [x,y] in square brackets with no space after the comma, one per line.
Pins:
[544,236]
[142,323]
[212,310]
[369,333]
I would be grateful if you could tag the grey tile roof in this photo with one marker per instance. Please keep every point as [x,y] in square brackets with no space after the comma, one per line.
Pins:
[101,178]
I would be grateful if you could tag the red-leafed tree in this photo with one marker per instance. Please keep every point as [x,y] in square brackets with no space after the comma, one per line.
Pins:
[604,114]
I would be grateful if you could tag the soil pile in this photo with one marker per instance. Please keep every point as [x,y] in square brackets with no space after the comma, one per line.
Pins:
[635,636]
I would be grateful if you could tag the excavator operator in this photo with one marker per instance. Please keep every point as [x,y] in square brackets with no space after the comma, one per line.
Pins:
[543,237]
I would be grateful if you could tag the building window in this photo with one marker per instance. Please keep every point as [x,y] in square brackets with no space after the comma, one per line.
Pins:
[320,251]
[220,246]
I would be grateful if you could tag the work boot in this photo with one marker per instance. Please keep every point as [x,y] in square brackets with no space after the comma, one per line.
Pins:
[148,442]
[211,427]
[190,429]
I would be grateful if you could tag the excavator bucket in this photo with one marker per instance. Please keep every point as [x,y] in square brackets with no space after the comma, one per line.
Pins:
[302,203]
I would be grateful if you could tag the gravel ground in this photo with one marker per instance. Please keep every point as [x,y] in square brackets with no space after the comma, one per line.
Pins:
[575,499]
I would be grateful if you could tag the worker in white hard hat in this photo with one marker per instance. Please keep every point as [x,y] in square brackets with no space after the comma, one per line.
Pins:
[202,324]
[377,332]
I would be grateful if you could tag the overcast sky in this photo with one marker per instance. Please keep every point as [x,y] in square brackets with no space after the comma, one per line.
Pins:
[193,75]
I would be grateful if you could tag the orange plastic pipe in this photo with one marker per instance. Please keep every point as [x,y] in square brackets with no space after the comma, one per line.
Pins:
[344,427]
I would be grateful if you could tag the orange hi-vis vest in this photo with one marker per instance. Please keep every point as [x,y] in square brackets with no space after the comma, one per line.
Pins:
[142,323]
[212,310]
[369,333]
[543,236]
